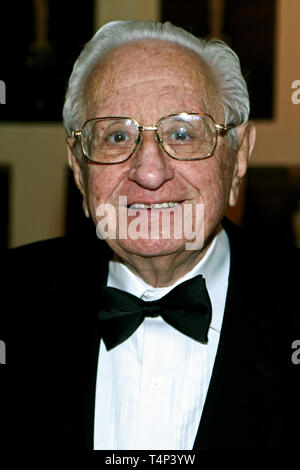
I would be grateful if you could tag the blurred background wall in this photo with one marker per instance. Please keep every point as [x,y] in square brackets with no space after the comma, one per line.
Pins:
[33,156]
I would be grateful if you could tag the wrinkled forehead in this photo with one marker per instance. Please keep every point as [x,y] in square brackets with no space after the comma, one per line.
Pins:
[136,70]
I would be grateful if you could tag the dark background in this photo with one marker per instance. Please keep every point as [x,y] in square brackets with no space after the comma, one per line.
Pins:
[36,77]
[249,29]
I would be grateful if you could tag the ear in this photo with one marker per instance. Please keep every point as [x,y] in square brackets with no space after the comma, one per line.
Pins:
[76,167]
[246,134]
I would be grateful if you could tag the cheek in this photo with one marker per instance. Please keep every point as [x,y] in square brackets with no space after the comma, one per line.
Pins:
[99,186]
[223,179]
[213,184]
[214,196]
[208,181]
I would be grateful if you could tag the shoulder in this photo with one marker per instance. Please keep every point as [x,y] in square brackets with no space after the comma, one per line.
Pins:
[60,254]
[37,263]
[53,267]
[38,252]
[267,275]
[45,283]
[264,255]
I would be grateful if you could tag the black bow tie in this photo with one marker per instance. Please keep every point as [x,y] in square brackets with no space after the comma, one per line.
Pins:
[187,308]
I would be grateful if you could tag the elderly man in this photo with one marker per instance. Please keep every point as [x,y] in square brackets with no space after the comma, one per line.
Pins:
[163,336]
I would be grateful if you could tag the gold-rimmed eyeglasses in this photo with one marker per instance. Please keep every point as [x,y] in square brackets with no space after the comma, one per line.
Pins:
[183,136]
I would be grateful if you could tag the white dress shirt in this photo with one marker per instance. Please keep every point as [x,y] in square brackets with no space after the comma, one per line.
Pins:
[151,389]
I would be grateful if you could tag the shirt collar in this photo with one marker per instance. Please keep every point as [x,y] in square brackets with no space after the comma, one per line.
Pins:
[214,267]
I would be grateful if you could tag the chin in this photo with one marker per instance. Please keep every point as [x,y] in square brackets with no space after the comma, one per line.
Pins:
[147,248]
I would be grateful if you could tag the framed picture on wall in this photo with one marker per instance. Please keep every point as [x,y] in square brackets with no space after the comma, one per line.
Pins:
[40,39]
[248,27]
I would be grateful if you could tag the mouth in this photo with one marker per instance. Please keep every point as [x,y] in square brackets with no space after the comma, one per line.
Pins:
[160,205]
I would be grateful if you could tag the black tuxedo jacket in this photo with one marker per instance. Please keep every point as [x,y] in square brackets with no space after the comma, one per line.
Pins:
[48,322]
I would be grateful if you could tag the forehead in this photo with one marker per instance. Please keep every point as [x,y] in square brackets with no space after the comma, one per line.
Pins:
[152,74]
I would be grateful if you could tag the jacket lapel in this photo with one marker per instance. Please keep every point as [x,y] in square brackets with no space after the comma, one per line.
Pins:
[78,432]
[222,399]
[240,404]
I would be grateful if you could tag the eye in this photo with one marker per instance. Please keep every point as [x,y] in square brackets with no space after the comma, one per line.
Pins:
[117,138]
[180,134]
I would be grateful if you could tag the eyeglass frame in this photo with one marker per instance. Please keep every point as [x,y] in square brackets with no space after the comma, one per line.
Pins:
[218,127]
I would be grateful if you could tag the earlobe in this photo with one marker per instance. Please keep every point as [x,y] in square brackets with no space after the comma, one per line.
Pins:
[78,176]
[247,135]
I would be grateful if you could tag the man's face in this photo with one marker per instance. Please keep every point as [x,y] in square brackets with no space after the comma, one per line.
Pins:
[146,81]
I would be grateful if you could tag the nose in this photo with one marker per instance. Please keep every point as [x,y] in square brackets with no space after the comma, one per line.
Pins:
[150,166]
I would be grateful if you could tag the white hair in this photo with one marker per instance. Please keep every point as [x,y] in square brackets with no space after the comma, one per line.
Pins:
[232,93]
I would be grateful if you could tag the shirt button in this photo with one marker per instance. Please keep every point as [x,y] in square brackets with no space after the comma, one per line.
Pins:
[155,384]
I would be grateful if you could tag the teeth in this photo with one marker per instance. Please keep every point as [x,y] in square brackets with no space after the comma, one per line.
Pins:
[162,205]
[140,206]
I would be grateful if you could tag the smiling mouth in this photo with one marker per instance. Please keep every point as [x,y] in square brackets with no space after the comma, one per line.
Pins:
[161,205]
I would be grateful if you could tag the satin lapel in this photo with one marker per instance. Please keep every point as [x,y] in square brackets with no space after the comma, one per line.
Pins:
[213,427]
[87,384]
[242,400]
[79,433]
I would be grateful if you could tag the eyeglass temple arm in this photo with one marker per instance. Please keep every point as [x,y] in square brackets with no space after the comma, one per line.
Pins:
[224,127]
[75,133]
